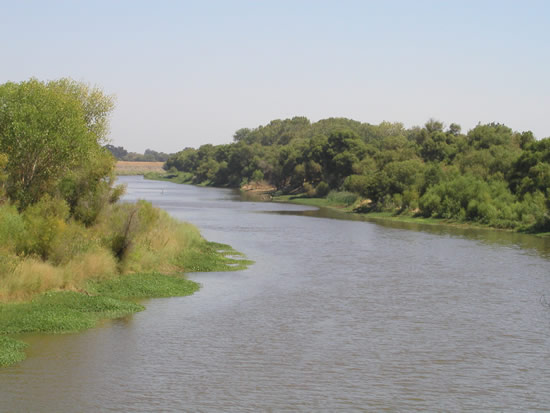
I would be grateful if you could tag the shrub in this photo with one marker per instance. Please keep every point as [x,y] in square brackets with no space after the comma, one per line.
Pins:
[257,176]
[309,190]
[123,223]
[344,197]
[358,184]
[44,222]
[322,189]
[430,204]
[12,228]
[95,264]
[74,240]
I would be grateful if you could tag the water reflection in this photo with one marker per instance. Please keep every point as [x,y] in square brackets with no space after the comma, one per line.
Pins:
[539,245]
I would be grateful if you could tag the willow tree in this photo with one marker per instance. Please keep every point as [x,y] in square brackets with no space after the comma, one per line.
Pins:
[47,131]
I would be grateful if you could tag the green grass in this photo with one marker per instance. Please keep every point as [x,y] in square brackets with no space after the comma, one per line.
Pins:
[69,311]
[388,216]
[212,256]
[158,243]
[61,312]
[409,218]
[143,286]
[11,351]
[318,202]
[176,177]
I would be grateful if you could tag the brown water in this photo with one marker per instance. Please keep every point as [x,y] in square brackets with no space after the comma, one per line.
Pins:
[336,315]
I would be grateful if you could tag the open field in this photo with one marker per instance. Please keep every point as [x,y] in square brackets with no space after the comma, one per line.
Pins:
[137,168]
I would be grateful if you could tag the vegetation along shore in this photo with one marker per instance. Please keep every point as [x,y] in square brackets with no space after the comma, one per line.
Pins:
[70,253]
[490,176]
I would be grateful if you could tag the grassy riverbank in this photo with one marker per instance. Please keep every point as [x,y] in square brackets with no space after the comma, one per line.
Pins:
[175,177]
[351,208]
[89,274]
[71,311]
[344,202]
[70,253]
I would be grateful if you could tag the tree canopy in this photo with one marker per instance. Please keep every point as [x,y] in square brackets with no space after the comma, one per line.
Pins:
[491,174]
[51,136]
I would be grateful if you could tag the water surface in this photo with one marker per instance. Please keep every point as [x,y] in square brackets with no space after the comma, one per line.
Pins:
[335,315]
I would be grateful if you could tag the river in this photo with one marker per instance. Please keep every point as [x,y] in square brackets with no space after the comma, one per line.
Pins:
[335,315]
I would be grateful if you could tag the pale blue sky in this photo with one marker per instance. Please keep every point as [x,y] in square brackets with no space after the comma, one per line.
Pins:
[187,73]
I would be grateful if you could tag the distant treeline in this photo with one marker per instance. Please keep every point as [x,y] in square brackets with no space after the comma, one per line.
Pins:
[149,155]
[490,175]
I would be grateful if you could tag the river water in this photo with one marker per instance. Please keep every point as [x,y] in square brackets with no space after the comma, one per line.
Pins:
[335,315]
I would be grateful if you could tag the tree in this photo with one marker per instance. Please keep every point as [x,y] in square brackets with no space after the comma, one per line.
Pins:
[454,129]
[47,130]
[241,134]
[486,136]
[118,151]
[95,104]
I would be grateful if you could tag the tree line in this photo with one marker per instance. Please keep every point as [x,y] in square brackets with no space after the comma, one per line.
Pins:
[149,155]
[490,175]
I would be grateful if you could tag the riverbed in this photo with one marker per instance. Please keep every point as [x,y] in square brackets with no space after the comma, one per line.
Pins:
[335,315]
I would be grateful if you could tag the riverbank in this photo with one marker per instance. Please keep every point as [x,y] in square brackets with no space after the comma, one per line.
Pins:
[389,216]
[175,177]
[265,193]
[262,188]
[72,311]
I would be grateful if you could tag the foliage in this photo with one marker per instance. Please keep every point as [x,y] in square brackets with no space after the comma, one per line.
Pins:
[322,189]
[47,130]
[65,242]
[491,175]
[11,351]
[45,222]
[343,198]
[211,256]
[149,155]
[62,312]
[143,286]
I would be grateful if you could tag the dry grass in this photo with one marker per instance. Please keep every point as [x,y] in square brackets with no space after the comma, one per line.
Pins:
[137,168]
[127,238]
[33,276]
[157,249]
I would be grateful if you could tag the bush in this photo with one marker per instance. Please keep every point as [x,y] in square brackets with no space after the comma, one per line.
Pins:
[123,223]
[430,204]
[322,189]
[257,176]
[309,190]
[344,197]
[44,222]
[12,228]
[358,184]
[74,240]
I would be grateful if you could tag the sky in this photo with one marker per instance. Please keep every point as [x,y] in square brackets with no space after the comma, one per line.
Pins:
[187,73]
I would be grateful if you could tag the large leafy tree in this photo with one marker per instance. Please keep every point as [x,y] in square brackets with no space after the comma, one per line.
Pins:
[48,130]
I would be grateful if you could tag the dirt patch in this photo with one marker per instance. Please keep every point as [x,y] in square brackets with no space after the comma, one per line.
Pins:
[261,190]
[258,187]
[137,168]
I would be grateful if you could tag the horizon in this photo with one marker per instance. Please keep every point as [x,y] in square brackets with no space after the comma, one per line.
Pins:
[186,74]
